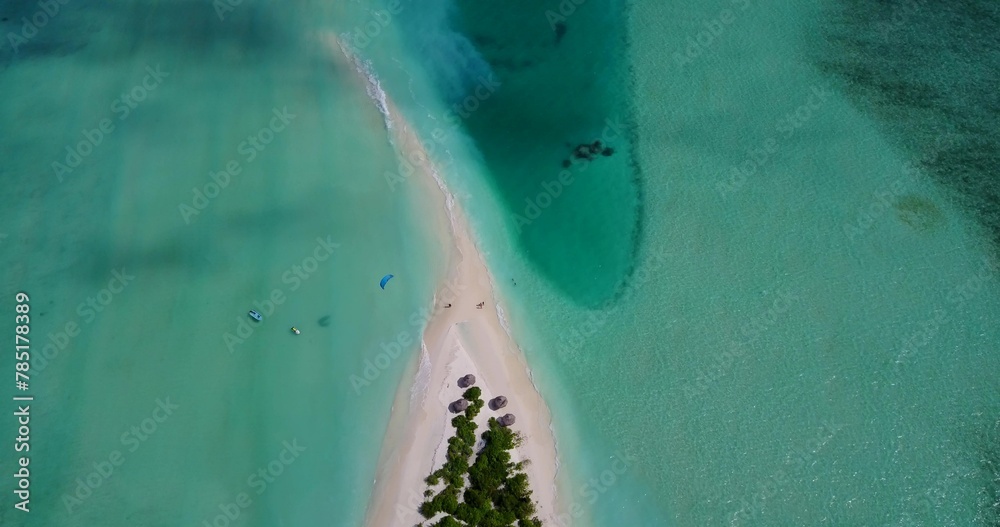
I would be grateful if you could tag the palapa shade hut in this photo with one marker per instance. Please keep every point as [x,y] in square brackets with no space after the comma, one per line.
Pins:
[467,381]
[498,402]
[506,420]
[459,406]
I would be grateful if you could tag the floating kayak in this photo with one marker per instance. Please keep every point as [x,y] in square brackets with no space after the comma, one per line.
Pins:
[255,315]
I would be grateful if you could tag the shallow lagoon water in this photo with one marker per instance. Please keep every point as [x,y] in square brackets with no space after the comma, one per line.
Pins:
[810,342]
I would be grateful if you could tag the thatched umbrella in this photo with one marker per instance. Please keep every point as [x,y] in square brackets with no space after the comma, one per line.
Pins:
[467,381]
[498,402]
[506,420]
[459,406]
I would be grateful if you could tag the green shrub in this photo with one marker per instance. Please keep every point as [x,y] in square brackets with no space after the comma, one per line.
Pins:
[428,509]
[448,521]
[497,493]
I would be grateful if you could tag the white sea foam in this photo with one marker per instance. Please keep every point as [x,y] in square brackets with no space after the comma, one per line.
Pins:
[372,85]
[421,385]
[421,382]
[453,58]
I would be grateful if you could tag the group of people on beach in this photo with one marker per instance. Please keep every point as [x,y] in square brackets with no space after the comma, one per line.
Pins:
[478,306]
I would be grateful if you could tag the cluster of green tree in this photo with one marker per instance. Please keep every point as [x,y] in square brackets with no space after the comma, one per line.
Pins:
[497,494]
[456,463]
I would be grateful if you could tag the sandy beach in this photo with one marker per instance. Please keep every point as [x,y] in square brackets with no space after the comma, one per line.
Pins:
[457,341]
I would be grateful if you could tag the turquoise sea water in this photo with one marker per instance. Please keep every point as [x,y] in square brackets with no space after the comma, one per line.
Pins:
[774,304]
[313,180]
[805,332]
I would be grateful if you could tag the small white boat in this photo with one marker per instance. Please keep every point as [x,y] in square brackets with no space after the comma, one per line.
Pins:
[256,316]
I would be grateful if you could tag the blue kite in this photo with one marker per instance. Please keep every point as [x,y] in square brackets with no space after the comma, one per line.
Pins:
[385,280]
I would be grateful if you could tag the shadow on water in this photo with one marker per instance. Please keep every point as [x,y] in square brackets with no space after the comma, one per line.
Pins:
[195,25]
[562,76]
[211,251]
[925,70]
